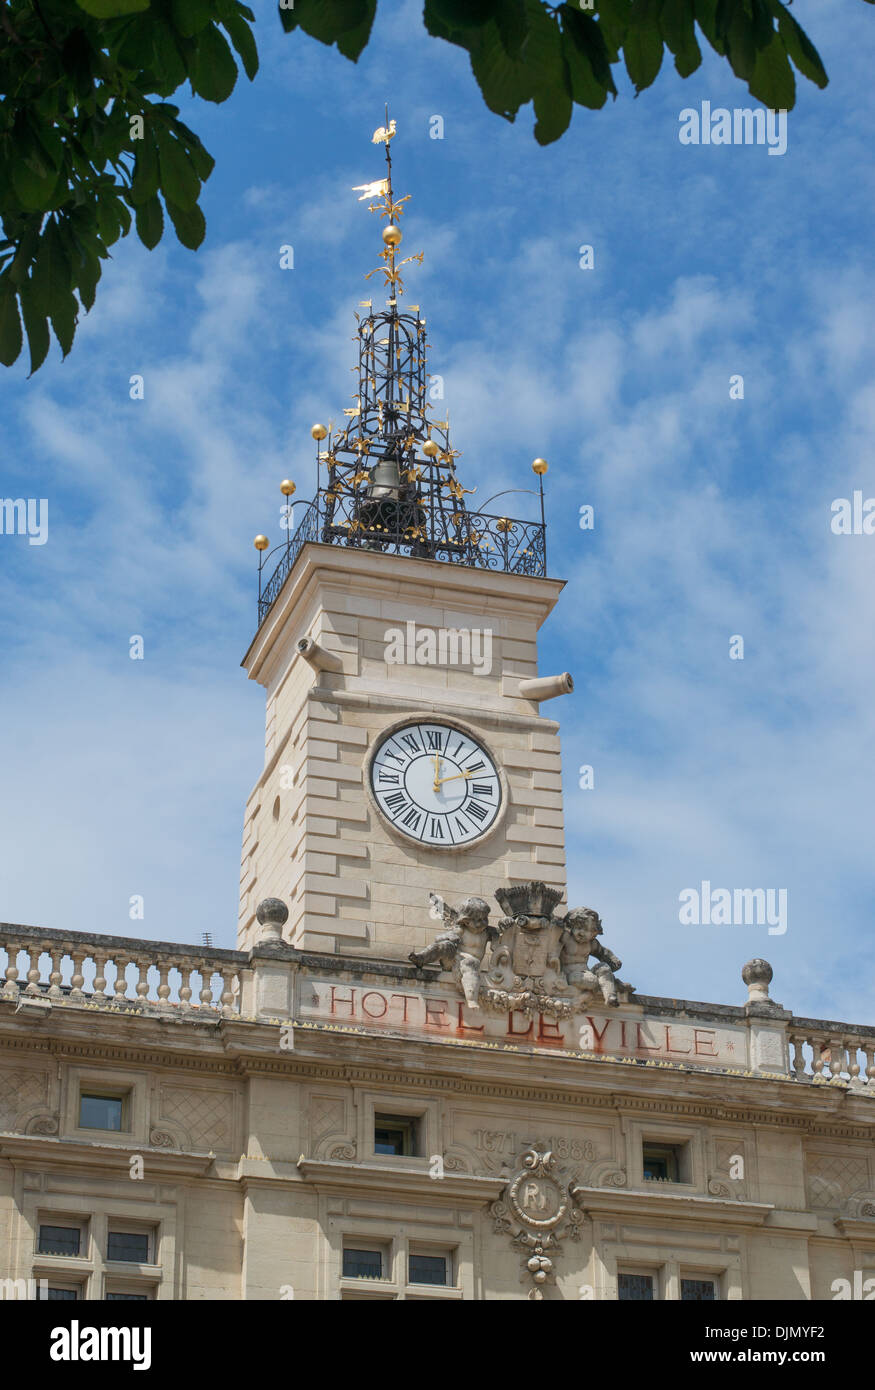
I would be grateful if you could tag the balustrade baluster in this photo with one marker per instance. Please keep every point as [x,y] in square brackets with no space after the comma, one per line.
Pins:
[33,954]
[11,988]
[56,974]
[77,979]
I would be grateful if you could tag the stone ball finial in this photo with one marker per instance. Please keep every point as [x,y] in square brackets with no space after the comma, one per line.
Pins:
[757,975]
[272,915]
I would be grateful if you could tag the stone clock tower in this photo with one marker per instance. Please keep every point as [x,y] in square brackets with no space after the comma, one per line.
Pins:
[397,642]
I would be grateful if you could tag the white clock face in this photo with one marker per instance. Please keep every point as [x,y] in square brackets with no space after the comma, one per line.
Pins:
[435,784]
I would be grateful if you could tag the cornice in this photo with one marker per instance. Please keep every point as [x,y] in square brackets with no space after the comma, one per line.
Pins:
[105,1158]
[339,1175]
[618,1203]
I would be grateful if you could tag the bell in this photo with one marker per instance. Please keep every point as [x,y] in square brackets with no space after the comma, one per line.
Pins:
[385,481]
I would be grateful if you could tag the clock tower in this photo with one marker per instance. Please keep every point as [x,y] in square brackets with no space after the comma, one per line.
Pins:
[406,754]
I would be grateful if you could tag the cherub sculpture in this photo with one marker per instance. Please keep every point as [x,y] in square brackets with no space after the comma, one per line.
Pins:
[581,927]
[461,945]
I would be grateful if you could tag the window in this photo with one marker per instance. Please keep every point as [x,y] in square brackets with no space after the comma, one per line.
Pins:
[51,1293]
[395,1134]
[131,1297]
[362,1264]
[59,1240]
[635,1286]
[128,1245]
[101,1112]
[427,1269]
[697,1290]
[663,1163]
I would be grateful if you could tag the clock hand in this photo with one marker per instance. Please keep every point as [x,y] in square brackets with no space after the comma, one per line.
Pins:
[452,778]
[436,772]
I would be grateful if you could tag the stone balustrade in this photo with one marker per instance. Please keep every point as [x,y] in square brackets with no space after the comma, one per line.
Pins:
[41,967]
[117,971]
[823,1051]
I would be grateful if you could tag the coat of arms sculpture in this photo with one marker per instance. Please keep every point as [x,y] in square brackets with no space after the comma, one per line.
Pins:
[539,963]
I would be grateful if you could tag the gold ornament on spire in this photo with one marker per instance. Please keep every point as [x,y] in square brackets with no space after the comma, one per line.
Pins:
[387,206]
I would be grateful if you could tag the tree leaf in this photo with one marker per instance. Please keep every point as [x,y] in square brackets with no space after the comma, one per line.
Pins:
[189,224]
[464,14]
[87,275]
[112,9]
[706,16]
[344,22]
[551,85]
[65,315]
[190,16]
[799,46]
[589,41]
[179,181]
[36,327]
[144,184]
[150,222]
[586,90]
[10,322]
[678,25]
[215,71]
[505,83]
[741,49]
[51,271]
[773,82]
[244,42]
[642,46]
[512,23]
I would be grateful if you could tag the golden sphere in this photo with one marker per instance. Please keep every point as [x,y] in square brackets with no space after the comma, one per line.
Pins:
[431,449]
[392,234]
[261,542]
[319,431]
[540,467]
[287,487]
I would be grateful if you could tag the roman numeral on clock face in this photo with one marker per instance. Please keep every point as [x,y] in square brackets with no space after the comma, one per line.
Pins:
[389,776]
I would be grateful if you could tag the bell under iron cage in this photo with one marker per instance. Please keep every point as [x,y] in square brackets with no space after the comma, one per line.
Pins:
[387,478]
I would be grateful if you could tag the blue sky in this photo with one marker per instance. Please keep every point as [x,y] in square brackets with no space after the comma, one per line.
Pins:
[712,514]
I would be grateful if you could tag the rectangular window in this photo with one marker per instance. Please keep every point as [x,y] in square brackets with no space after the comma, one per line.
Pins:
[130,1297]
[59,1240]
[635,1286]
[51,1293]
[101,1112]
[362,1264]
[427,1269]
[395,1134]
[698,1291]
[127,1245]
[662,1163]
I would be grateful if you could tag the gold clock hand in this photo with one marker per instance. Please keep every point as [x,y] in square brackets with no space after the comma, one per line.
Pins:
[452,778]
[437,784]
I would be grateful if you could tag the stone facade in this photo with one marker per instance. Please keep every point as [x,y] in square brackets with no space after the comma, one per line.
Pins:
[253,1085]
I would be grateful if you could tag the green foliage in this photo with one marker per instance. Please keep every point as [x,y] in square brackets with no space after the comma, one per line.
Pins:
[86,137]
[559,55]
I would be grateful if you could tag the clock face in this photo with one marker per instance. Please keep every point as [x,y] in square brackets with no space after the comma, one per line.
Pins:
[435,784]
